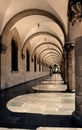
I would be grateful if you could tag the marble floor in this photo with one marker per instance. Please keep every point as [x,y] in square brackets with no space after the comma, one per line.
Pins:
[47,107]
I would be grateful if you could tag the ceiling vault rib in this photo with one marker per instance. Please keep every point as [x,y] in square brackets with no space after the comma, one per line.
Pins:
[49,56]
[30,12]
[45,43]
[48,49]
[51,52]
[42,33]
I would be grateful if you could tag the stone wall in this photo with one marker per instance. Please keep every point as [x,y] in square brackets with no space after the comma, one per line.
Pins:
[11,78]
[75,30]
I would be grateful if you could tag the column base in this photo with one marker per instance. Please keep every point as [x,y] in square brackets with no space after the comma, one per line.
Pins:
[77,119]
[70,90]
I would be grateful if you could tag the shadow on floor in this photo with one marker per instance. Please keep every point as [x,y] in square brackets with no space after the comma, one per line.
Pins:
[33,121]
[28,120]
[48,91]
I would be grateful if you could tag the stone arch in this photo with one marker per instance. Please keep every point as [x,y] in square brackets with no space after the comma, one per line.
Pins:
[46,43]
[30,12]
[41,33]
[47,61]
[48,56]
[13,34]
[23,52]
[49,49]
[49,53]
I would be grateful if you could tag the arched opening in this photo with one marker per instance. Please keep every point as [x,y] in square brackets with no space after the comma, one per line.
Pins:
[14,56]
[35,68]
[56,68]
[27,61]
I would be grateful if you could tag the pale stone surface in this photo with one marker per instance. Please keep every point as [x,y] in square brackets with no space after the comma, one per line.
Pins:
[75,31]
[44,128]
[59,128]
[9,78]
[71,70]
[44,103]
[77,115]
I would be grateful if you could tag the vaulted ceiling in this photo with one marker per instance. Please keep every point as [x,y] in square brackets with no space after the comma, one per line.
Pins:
[43,24]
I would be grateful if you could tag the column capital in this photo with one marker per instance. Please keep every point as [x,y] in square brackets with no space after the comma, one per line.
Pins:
[68,46]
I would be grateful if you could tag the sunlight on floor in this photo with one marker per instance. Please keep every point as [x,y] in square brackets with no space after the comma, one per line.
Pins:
[54,103]
[47,128]
[44,128]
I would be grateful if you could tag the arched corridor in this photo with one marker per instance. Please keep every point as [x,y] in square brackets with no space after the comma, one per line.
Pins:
[41,64]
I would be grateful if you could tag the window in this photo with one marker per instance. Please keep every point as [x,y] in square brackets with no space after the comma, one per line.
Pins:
[27,61]
[14,56]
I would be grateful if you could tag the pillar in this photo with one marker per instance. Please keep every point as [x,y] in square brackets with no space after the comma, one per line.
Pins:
[77,114]
[62,68]
[70,67]
[3,73]
[71,71]
[65,68]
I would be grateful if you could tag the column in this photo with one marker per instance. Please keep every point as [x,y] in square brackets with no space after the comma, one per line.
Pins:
[77,114]
[71,71]
[3,76]
[62,68]
[70,67]
[65,68]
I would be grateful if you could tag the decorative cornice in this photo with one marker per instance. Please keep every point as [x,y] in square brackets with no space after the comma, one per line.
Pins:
[75,11]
